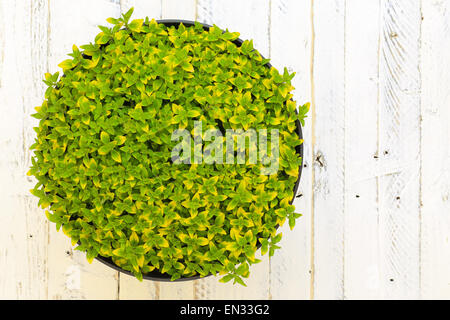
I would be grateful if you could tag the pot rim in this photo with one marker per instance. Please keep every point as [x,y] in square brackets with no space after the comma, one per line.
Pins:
[156,275]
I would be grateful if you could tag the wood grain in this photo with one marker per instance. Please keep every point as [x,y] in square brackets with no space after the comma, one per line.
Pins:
[175,9]
[361,257]
[399,139]
[236,16]
[375,186]
[290,46]
[23,236]
[328,149]
[70,275]
[178,10]
[130,287]
[435,151]
[143,8]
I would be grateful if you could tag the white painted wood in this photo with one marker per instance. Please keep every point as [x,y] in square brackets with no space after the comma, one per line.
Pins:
[23,227]
[143,8]
[130,287]
[290,46]
[175,9]
[251,20]
[328,116]
[172,9]
[361,257]
[399,139]
[377,75]
[435,150]
[70,275]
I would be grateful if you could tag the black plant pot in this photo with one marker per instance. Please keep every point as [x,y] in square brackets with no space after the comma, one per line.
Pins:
[155,275]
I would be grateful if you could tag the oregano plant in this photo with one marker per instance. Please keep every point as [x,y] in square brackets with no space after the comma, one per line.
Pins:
[104,152]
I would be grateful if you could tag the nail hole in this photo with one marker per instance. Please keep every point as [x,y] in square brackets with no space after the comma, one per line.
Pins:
[357,195]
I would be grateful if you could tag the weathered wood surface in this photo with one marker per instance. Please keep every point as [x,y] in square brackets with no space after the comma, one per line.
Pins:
[375,185]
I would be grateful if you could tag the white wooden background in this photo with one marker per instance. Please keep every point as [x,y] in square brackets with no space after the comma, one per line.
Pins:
[376,181]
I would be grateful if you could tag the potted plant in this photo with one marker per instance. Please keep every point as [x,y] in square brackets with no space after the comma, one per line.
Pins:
[145,150]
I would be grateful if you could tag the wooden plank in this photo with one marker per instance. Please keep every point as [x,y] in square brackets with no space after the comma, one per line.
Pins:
[130,287]
[172,9]
[328,114]
[143,8]
[435,150]
[399,139]
[378,129]
[23,233]
[251,20]
[175,9]
[290,46]
[362,260]
[70,275]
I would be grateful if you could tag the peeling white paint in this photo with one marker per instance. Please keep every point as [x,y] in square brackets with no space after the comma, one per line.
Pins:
[73,278]
[375,191]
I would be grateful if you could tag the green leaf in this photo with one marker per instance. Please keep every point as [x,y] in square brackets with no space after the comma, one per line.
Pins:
[138,276]
[134,239]
[264,247]
[102,38]
[115,155]
[303,110]
[227,278]
[136,25]
[103,150]
[202,241]
[112,20]
[128,14]
[187,67]
[193,113]
[239,280]
[277,238]
[104,137]
[67,64]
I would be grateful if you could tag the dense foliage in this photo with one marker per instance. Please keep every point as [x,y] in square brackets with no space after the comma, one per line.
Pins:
[102,156]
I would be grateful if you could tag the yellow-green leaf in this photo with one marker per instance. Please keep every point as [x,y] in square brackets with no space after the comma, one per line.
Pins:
[134,239]
[187,67]
[104,137]
[136,25]
[102,38]
[121,140]
[292,172]
[116,156]
[67,64]
[202,241]
[103,150]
